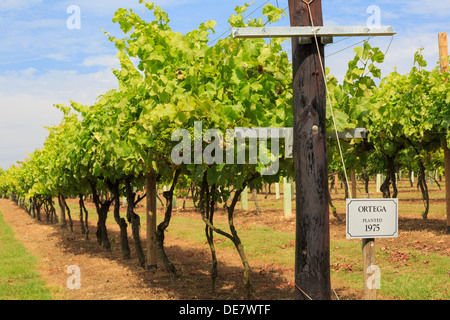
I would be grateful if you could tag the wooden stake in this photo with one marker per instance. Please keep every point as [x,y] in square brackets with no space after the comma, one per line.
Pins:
[151,220]
[244,199]
[336,183]
[378,183]
[368,251]
[353,184]
[277,190]
[287,197]
[312,249]
[443,52]
[443,58]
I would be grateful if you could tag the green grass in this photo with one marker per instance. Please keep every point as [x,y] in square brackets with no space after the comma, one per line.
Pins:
[19,279]
[421,277]
[415,281]
[263,243]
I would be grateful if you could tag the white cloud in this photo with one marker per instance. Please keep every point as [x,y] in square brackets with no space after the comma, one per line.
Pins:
[110,61]
[425,7]
[26,105]
[6,5]
[43,23]
[400,54]
[22,120]
[58,86]
[108,7]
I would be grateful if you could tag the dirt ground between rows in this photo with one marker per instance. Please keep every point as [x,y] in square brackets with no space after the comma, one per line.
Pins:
[106,276]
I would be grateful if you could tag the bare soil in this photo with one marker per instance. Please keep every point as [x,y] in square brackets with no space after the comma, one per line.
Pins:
[106,276]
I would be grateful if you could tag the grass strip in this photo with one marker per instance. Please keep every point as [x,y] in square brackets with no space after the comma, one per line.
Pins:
[19,279]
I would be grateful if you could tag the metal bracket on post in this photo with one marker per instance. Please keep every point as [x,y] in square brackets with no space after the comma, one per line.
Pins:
[326,40]
[308,40]
[305,40]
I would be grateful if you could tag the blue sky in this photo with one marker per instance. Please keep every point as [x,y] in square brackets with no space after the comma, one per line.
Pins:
[43,62]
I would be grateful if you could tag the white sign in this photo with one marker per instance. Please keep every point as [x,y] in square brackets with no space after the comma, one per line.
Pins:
[372,218]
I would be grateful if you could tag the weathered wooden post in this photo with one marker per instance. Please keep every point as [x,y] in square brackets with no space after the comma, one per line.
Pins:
[353,177]
[378,182]
[312,262]
[244,199]
[368,252]
[443,59]
[312,249]
[287,198]
[277,190]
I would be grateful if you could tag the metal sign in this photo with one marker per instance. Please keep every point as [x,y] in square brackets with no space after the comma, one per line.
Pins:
[372,218]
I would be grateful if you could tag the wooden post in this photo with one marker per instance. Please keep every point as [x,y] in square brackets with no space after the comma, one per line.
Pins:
[443,59]
[353,184]
[287,198]
[277,190]
[244,199]
[447,183]
[443,52]
[292,184]
[378,182]
[368,251]
[151,220]
[336,183]
[312,249]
